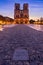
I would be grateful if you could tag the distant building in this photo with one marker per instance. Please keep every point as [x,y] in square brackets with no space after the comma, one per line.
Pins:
[21,16]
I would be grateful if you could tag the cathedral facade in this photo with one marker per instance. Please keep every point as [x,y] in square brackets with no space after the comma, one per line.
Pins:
[21,16]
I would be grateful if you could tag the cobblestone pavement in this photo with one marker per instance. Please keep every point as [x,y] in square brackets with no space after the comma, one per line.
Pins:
[21,36]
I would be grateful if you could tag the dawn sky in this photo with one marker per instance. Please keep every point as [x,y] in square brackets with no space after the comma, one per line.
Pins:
[35,7]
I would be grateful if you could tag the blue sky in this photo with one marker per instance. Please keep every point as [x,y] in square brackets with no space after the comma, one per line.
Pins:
[35,8]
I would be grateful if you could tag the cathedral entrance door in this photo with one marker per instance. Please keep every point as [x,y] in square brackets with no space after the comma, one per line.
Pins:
[21,21]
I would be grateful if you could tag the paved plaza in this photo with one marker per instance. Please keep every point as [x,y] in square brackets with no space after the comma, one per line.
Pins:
[21,45]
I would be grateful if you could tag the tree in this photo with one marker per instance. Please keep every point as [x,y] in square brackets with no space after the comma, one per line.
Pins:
[5,20]
[11,20]
[32,21]
[1,18]
[41,20]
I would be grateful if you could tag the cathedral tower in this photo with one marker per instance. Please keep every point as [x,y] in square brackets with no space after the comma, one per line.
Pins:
[21,16]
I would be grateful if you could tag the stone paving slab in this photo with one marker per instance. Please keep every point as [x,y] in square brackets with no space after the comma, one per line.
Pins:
[20,54]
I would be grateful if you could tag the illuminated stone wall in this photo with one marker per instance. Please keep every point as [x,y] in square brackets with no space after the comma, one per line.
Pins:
[21,16]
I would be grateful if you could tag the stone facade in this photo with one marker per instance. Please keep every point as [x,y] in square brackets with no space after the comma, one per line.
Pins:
[21,16]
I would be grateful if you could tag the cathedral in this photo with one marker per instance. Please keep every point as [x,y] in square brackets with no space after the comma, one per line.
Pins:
[21,16]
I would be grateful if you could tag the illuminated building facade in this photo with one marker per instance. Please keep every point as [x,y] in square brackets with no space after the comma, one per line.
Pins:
[21,16]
